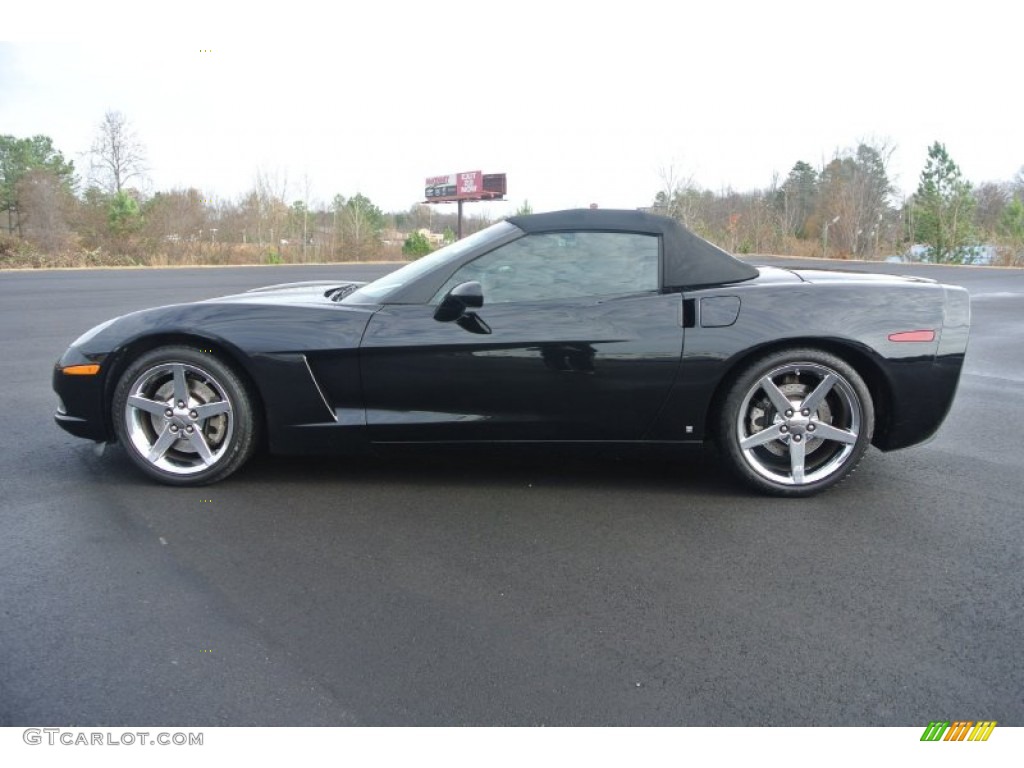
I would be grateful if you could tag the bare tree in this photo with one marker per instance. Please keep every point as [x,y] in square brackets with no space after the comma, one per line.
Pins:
[1017,185]
[854,202]
[264,212]
[117,154]
[306,187]
[992,197]
[679,197]
[176,217]
[45,206]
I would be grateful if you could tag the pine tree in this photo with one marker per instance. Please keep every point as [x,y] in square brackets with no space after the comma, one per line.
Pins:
[943,209]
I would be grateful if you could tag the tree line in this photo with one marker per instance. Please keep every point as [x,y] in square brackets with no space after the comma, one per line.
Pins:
[847,207]
[50,215]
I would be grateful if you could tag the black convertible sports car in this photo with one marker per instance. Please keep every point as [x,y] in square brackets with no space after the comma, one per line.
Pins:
[574,326]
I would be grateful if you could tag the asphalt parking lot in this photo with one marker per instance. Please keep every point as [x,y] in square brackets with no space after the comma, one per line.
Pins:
[515,588]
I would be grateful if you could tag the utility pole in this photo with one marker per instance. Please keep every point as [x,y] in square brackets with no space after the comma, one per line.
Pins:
[824,237]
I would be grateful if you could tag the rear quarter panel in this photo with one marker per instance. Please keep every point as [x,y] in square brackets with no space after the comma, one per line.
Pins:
[913,384]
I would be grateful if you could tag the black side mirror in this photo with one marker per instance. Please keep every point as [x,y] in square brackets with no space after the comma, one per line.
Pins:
[462,297]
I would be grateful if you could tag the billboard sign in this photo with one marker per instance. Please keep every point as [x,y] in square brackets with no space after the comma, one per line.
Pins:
[468,185]
[440,187]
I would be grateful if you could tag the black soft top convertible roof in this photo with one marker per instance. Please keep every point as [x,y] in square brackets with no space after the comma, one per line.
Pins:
[690,261]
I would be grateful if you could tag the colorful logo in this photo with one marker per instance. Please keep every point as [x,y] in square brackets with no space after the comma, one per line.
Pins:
[959,730]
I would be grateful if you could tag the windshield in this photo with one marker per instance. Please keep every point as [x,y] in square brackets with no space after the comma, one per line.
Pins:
[383,288]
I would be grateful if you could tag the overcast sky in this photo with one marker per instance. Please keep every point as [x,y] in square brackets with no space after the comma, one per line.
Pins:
[578,103]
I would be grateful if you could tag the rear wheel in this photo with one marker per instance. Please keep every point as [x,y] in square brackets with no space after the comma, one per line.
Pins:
[796,422]
[184,416]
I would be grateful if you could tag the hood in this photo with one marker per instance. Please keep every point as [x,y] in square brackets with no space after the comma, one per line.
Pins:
[310,292]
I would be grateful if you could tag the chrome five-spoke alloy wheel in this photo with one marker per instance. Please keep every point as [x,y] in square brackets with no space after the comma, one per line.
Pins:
[179,417]
[798,422]
[184,416]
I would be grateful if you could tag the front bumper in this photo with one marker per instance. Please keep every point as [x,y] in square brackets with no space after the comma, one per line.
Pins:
[81,409]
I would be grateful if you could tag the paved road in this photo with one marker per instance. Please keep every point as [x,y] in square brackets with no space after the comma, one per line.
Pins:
[512,589]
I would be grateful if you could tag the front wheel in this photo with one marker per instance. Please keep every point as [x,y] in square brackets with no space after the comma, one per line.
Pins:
[184,416]
[796,422]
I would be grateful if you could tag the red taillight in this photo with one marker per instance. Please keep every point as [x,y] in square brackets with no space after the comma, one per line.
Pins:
[912,336]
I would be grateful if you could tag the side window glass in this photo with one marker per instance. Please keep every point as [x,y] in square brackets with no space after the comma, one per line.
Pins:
[564,265]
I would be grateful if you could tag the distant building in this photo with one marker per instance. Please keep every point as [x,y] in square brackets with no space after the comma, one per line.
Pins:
[433,238]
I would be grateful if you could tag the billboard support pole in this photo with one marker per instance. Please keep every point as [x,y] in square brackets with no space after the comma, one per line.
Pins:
[459,236]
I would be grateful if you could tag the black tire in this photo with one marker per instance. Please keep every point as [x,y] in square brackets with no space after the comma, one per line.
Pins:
[796,422]
[184,416]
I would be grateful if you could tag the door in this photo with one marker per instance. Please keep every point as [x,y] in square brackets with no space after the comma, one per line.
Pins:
[575,343]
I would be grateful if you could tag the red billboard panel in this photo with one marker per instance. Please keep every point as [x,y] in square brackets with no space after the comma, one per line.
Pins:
[471,184]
